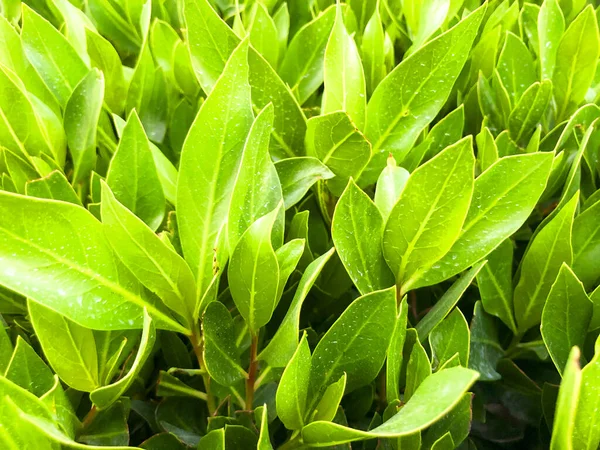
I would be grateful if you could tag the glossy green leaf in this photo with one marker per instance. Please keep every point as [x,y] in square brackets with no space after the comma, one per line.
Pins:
[335,140]
[220,353]
[437,395]
[328,406]
[390,185]
[345,88]
[449,337]
[154,264]
[69,348]
[263,33]
[105,396]
[418,369]
[209,163]
[298,175]
[551,26]
[54,186]
[82,113]
[427,218]
[576,60]
[394,354]
[74,267]
[586,244]
[253,273]
[540,266]
[292,393]
[372,52]
[516,67]
[566,405]
[566,316]
[414,92]
[27,370]
[585,430]
[357,229]
[529,111]
[132,175]
[503,198]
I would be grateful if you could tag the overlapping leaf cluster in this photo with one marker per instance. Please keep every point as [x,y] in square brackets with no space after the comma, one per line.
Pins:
[293,224]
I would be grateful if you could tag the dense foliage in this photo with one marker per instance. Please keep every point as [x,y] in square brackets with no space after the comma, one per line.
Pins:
[287,224]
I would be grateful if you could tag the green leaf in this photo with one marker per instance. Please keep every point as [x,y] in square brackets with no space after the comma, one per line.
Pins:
[541,264]
[456,423]
[257,190]
[82,113]
[61,408]
[576,60]
[6,349]
[356,230]
[280,349]
[334,139]
[566,316]
[372,52]
[298,175]
[390,185]
[516,68]
[302,65]
[427,219]
[154,264]
[550,27]
[288,256]
[328,406]
[449,337]
[109,427]
[53,57]
[345,88]
[434,398]
[263,33]
[394,354]
[220,352]
[503,198]
[54,186]
[410,97]
[69,348]
[448,301]
[264,442]
[105,396]
[66,249]
[586,245]
[209,164]
[496,286]
[253,273]
[139,189]
[356,344]
[292,393]
[529,111]
[418,369]
[566,405]
[586,434]
[28,370]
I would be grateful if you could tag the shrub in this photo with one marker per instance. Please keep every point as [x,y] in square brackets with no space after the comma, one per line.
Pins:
[291,224]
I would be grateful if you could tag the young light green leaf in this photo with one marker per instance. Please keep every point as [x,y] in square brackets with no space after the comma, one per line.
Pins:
[516,67]
[292,393]
[586,434]
[449,337]
[263,33]
[298,175]
[394,354]
[288,256]
[566,405]
[356,229]
[209,164]
[496,286]
[390,185]
[550,28]
[253,273]
[503,198]
[334,139]
[576,60]
[132,175]
[154,264]
[257,189]
[69,348]
[42,44]
[82,113]
[427,219]
[566,316]
[105,396]
[355,344]
[529,111]
[53,186]
[264,442]
[74,268]
[345,88]
[328,406]
[435,397]
[413,93]
[417,370]
[280,349]
[539,266]
[372,52]
[448,301]
[220,352]
[302,65]
[586,245]
[27,370]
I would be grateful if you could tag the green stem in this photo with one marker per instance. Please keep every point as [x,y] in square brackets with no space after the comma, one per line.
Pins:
[198,345]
